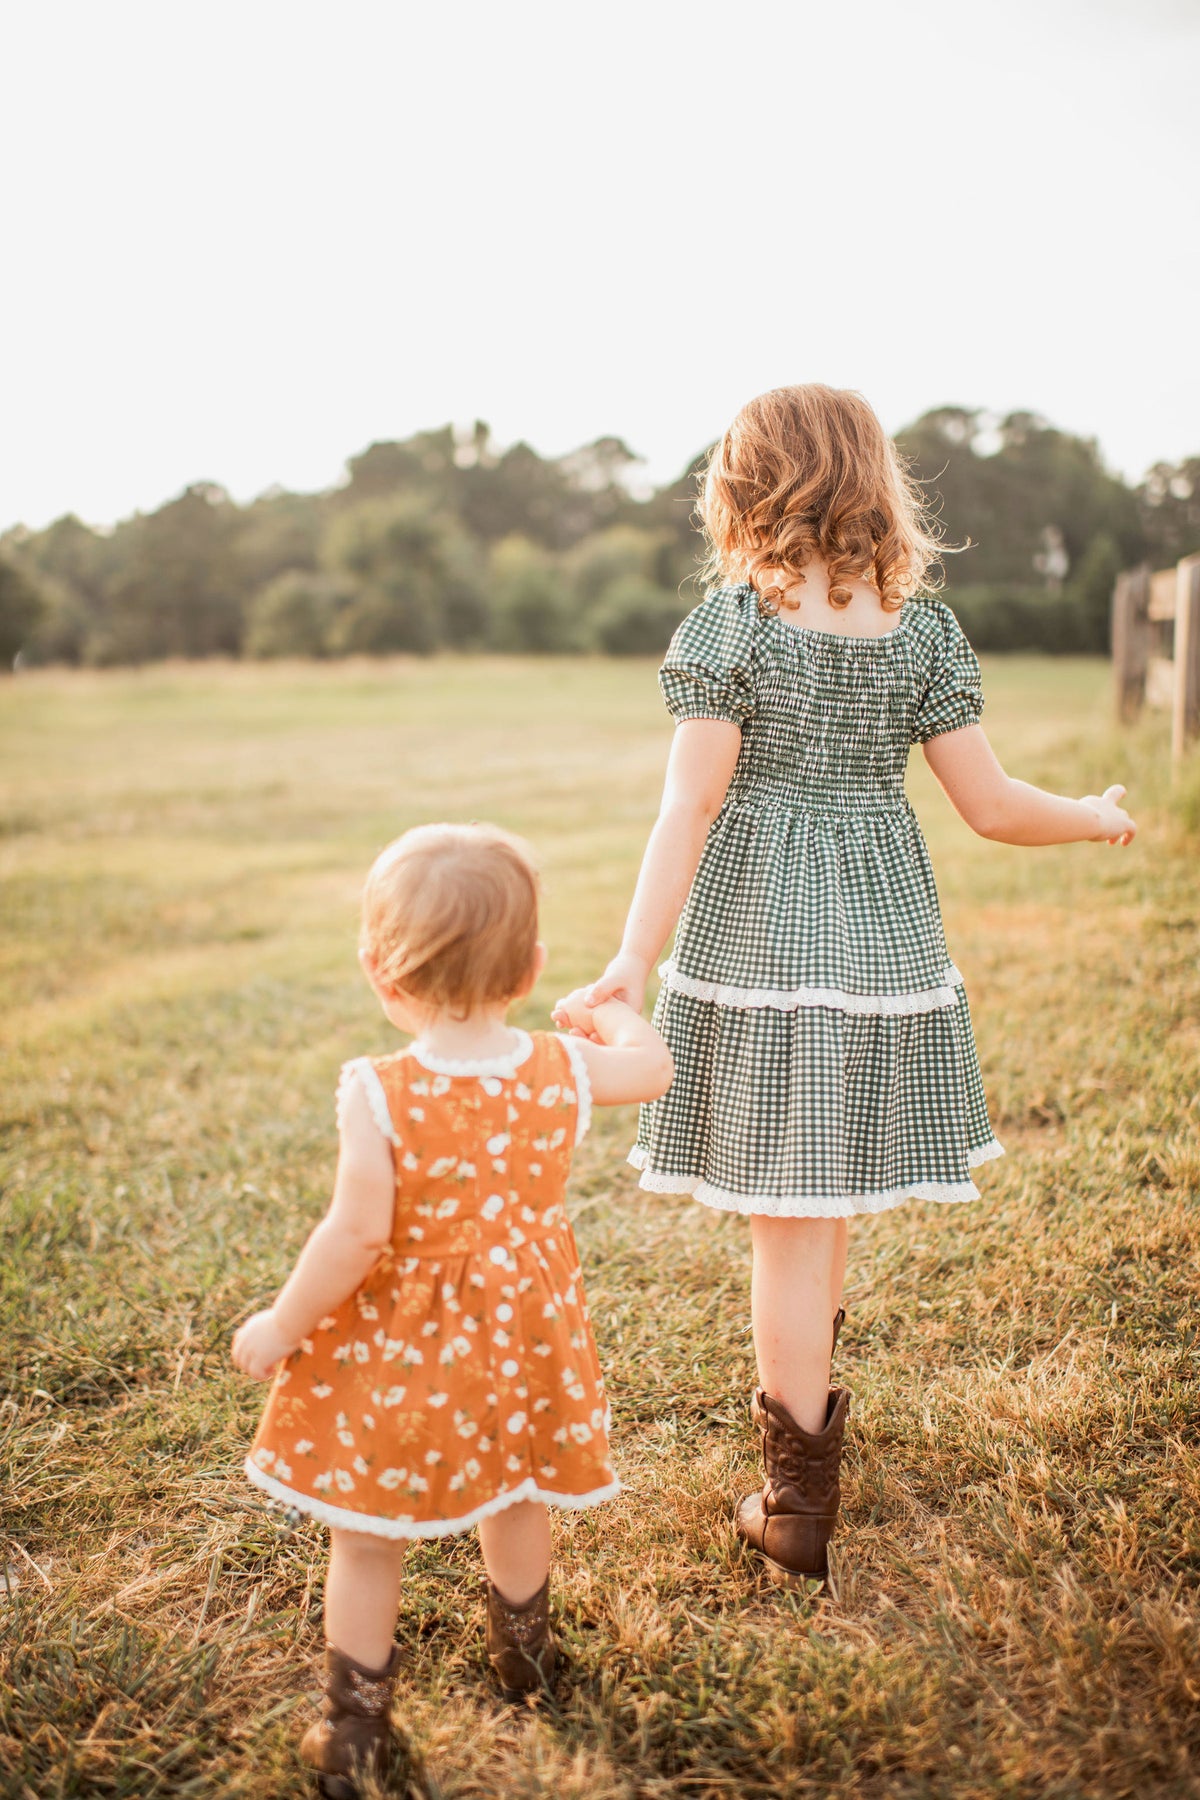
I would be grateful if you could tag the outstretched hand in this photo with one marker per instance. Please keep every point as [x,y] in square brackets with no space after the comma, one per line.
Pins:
[1113,823]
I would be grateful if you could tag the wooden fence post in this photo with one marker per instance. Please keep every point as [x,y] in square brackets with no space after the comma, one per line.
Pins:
[1185,719]
[1131,641]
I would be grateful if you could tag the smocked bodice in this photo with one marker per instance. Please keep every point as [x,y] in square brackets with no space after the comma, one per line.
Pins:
[826,721]
[832,718]
[814,874]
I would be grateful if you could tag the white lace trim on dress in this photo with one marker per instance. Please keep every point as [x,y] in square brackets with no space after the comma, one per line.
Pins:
[372,1087]
[342,1518]
[793,999]
[583,1084]
[806,1206]
[478,1065]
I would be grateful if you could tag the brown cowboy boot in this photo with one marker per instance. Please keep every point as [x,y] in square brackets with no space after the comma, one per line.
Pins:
[353,1739]
[791,1520]
[520,1644]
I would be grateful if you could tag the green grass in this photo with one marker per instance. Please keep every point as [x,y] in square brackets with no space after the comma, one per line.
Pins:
[1016,1605]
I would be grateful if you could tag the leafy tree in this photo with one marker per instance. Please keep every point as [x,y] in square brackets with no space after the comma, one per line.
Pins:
[531,610]
[1169,506]
[448,540]
[464,597]
[516,494]
[996,617]
[21,606]
[1027,498]
[72,565]
[424,462]
[635,617]
[1091,590]
[296,614]
[277,532]
[409,577]
[596,479]
[174,590]
[597,561]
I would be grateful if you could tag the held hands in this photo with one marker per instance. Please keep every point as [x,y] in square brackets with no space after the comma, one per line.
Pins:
[258,1345]
[1112,822]
[573,1014]
[624,979]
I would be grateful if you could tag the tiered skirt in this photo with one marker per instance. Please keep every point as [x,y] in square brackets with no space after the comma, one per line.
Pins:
[825,1063]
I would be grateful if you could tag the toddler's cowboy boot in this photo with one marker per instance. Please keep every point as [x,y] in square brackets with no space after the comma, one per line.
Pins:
[353,1739]
[520,1645]
[791,1520]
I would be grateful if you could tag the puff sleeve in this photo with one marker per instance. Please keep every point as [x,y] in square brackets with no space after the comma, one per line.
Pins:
[954,695]
[707,671]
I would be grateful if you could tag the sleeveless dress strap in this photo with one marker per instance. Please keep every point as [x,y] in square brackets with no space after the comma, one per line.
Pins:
[362,1069]
[583,1084]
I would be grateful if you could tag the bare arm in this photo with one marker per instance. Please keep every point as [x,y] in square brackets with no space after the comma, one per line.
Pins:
[341,1250]
[630,1061]
[997,806]
[704,753]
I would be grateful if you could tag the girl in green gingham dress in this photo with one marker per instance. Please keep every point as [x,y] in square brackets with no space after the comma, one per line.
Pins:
[810,987]
[824,1060]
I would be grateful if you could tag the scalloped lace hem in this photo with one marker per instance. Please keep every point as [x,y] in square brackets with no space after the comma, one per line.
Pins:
[813,1206]
[583,1084]
[343,1519]
[372,1087]
[479,1065]
[794,999]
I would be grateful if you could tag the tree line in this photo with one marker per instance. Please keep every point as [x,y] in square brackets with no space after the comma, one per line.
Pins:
[447,541]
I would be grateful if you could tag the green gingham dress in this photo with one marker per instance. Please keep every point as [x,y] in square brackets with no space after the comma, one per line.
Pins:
[824,1060]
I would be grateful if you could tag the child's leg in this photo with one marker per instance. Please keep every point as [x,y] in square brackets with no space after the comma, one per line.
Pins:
[841,1242]
[795,1289]
[516,1549]
[362,1595]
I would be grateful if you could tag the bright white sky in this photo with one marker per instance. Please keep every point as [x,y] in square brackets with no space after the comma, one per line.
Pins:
[244,239]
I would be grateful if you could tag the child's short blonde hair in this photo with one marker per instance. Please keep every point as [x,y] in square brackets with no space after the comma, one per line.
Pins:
[809,471]
[450,914]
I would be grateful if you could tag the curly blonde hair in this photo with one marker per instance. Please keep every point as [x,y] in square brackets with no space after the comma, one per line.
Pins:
[809,472]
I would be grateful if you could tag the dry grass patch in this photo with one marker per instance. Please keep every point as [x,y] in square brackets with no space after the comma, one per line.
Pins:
[1015,1607]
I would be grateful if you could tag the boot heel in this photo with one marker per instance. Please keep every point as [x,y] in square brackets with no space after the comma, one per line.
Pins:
[793,1578]
[336,1787]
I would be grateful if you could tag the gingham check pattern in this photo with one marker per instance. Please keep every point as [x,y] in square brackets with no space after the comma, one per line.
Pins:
[823,1050]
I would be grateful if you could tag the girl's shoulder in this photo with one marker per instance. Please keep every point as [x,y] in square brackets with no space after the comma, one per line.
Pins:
[721,609]
[737,597]
[719,631]
[933,614]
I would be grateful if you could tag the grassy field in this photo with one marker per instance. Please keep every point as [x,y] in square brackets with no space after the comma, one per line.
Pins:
[1016,1606]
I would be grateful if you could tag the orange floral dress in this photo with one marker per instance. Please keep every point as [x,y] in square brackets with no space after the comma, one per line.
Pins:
[462,1375]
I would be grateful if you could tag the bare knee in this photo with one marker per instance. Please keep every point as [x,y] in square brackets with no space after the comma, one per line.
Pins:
[797,1237]
[367,1548]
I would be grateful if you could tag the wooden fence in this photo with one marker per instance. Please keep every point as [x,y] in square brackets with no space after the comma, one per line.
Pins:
[1156,646]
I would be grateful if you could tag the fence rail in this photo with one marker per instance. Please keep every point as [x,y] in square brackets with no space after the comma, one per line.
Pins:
[1156,646]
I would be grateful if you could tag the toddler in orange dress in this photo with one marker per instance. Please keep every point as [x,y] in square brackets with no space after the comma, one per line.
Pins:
[434,1367]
